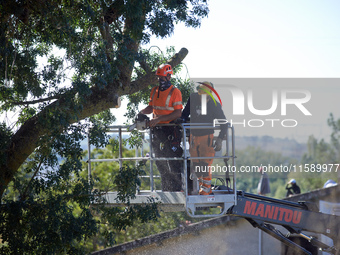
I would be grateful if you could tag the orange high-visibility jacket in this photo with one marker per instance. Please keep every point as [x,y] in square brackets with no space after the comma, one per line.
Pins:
[165,102]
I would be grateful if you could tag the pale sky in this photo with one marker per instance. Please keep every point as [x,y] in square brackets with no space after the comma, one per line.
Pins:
[268,39]
[262,38]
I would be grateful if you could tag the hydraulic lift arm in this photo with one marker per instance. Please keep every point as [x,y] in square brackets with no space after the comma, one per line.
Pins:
[261,211]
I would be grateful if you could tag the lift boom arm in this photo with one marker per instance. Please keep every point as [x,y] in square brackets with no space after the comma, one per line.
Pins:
[261,211]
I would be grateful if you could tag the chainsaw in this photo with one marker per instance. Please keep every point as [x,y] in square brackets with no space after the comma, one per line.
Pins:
[141,122]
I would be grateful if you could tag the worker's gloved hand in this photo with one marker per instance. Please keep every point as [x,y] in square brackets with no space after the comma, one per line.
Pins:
[218,144]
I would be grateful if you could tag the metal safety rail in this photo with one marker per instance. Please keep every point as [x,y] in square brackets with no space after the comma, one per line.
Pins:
[170,201]
[175,201]
[200,205]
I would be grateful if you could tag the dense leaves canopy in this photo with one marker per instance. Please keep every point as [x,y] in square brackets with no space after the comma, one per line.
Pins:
[63,65]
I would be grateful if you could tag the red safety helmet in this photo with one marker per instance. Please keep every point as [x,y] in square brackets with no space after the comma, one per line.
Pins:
[164,70]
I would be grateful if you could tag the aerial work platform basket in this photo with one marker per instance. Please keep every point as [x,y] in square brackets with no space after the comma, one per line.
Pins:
[223,174]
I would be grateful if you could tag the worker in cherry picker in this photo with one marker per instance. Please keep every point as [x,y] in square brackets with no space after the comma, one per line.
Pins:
[202,143]
[166,105]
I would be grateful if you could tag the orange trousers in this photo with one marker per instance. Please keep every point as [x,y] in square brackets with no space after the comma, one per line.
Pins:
[202,146]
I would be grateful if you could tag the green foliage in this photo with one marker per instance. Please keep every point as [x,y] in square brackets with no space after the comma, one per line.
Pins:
[135,139]
[319,164]
[56,59]
[37,213]
[97,132]
[335,137]
[127,180]
[45,222]
[252,158]
[5,138]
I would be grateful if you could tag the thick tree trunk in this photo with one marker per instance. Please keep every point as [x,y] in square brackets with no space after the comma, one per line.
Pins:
[25,140]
